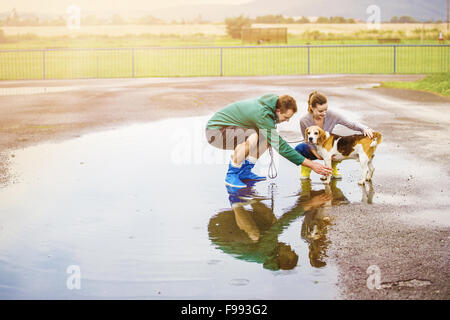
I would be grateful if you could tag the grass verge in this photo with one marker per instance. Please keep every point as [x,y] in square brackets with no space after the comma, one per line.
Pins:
[437,83]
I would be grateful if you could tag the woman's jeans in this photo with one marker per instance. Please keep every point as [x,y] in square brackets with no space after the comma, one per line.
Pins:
[304,150]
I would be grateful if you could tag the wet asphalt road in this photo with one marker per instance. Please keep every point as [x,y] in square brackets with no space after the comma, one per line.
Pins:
[401,226]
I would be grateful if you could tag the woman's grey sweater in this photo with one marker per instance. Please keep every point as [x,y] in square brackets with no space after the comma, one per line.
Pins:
[332,118]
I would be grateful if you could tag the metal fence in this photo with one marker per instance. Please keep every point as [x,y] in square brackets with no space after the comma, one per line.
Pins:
[223,61]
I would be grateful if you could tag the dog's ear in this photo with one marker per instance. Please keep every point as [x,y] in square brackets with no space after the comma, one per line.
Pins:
[306,134]
[322,137]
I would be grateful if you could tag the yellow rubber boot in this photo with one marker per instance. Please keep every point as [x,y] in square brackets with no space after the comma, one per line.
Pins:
[305,173]
[335,172]
[305,194]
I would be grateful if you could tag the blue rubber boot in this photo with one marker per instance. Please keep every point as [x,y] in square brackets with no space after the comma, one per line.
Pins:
[232,179]
[247,174]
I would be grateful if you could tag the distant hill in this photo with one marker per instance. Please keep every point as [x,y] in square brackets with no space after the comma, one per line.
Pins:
[421,10]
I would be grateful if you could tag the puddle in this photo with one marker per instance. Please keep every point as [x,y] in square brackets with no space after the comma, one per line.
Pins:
[135,215]
[143,212]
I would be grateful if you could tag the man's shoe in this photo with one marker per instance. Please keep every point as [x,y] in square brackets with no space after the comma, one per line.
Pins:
[232,177]
[247,174]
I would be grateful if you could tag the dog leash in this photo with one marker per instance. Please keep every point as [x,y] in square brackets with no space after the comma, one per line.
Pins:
[272,171]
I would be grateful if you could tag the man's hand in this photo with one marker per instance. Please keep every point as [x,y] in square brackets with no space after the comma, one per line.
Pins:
[317,201]
[321,169]
[317,167]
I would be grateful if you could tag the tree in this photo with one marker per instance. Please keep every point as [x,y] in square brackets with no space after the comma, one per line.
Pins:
[90,20]
[150,20]
[303,20]
[407,19]
[394,19]
[403,19]
[289,20]
[13,19]
[117,19]
[2,36]
[323,20]
[337,20]
[270,18]
[235,26]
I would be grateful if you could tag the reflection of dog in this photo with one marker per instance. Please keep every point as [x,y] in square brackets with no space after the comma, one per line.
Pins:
[337,148]
[314,232]
[317,219]
[367,194]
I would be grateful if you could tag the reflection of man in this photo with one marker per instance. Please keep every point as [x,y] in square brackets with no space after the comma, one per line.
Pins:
[252,234]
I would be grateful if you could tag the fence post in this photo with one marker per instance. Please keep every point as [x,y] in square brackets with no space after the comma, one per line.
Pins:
[43,64]
[395,56]
[308,61]
[221,61]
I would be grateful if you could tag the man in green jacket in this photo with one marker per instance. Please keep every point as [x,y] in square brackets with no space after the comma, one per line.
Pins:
[248,127]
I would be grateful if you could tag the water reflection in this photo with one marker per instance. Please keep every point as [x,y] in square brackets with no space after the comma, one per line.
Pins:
[367,192]
[250,230]
[317,220]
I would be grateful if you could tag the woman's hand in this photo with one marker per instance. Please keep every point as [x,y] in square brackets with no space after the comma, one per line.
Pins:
[369,133]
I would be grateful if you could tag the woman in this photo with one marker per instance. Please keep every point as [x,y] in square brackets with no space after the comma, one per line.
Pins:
[319,115]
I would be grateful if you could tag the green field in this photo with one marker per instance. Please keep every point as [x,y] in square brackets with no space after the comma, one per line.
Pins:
[216,61]
[32,41]
[437,83]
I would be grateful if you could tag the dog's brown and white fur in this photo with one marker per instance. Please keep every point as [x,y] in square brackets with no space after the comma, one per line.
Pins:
[331,146]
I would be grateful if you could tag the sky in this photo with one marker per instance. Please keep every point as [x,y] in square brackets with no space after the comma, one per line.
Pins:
[123,6]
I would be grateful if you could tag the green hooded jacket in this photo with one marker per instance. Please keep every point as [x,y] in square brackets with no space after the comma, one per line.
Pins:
[258,114]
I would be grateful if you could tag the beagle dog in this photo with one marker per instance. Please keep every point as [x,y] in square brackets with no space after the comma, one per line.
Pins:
[337,148]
